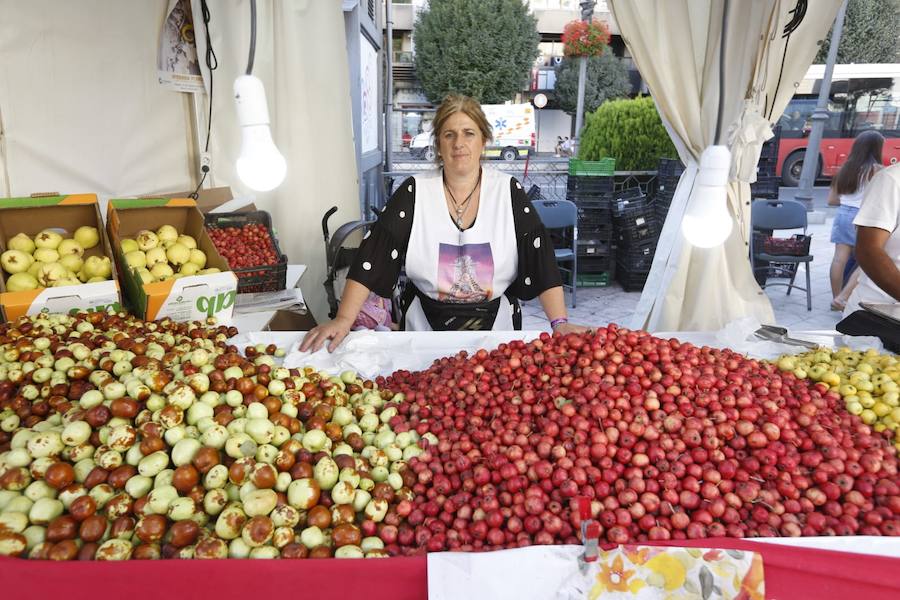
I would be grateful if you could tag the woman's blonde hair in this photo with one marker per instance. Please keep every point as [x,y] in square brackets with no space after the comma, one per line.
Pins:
[452,104]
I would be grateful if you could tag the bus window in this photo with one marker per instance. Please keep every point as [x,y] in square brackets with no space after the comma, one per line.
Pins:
[796,123]
[877,110]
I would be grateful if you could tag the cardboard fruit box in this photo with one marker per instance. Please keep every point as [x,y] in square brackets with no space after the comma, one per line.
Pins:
[63,214]
[186,299]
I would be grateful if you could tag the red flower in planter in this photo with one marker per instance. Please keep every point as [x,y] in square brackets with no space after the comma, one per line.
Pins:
[582,38]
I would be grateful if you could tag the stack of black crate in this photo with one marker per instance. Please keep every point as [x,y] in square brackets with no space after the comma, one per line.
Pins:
[668,173]
[636,234]
[592,196]
[767,182]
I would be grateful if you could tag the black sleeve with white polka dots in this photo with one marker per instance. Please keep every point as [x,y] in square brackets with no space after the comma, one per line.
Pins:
[381,255]
[538,270]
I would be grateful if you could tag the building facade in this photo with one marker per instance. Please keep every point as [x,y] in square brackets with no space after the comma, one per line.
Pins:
[412,110]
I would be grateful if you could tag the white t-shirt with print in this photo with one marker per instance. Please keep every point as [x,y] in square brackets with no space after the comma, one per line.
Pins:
[474,265]
[881,209]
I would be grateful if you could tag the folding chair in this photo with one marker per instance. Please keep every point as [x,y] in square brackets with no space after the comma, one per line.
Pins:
[774,215]
[562,214]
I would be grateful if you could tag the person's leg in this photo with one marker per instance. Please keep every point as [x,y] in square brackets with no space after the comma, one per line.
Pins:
[840,301]
[850,267]
[841,254]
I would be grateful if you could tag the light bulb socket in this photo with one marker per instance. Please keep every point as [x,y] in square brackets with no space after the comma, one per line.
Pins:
[250,101]
[715,165]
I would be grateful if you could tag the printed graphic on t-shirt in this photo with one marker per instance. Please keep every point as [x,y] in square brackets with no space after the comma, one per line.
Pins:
[465,273]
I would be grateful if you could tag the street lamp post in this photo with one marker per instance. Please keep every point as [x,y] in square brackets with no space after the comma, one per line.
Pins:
[819,117]
[587,13]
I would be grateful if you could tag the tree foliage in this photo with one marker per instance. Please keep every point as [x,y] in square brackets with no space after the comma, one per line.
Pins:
[629,131]
[607,78]
[481,48]
[870,33]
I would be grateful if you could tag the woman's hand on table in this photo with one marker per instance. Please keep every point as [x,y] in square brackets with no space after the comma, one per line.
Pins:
[564,328]
[335,330]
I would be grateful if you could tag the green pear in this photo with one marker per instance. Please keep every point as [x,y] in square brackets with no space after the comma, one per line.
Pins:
[129,245]
[186,240]
[72,262]
[198,257]
[48,239]
[98,266]
[156,256]
[136,259]
[67,247]
[167,233]
[21,282]
[22,243]
[46,255]
[96,280]
[162,271]
[50,273]
[147,240]
[188,269]
[87,236]
[35,268]
[178,254]
[145,275]
[15,261]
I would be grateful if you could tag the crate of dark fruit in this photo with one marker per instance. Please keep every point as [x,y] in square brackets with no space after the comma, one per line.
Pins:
[246,241]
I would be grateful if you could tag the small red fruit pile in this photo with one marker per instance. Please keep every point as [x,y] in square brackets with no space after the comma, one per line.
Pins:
[245,247]
[668,440]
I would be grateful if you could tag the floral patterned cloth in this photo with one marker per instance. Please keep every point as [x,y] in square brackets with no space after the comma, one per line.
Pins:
[645,573]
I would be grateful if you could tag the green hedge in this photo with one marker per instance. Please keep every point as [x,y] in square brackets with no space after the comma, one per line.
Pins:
[629,131]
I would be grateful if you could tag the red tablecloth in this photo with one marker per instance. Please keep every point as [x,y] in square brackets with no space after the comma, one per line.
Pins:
[791,573]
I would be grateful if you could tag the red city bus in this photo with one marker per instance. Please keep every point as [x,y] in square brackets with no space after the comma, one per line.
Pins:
[862,97]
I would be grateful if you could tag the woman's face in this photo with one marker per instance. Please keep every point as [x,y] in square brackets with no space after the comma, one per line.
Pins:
[460,144]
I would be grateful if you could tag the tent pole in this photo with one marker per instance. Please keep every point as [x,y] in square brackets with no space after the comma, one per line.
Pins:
[820,117]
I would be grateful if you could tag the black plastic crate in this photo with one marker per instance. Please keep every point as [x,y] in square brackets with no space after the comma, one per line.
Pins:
[670,167]
[631,281]
[765,187]
[590,185]
[594,246]
[596,264]
[629,202]
[636,258]
[766,167]
[268,278]
[592,216]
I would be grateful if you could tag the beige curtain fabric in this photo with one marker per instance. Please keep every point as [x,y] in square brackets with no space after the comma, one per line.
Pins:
[676,46]
[301,58]
[80,106]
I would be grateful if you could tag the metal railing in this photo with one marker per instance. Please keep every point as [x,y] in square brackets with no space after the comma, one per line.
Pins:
[549,174]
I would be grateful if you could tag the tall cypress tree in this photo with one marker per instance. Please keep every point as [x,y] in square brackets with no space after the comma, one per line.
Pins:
[481,48]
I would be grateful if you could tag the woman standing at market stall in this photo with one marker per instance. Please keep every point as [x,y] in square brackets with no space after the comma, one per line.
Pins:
[847,190]
[470,241]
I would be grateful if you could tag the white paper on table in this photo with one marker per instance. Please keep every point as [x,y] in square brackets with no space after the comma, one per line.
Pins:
[373,353]
[536,572]
[738,336]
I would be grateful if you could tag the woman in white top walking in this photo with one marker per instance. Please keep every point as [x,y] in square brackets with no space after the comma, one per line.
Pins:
[847,190]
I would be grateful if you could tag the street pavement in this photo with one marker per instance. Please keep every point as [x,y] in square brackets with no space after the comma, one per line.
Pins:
[598,306]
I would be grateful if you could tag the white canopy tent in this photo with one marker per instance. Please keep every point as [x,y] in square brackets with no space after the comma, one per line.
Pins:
[677,45]
[81,109]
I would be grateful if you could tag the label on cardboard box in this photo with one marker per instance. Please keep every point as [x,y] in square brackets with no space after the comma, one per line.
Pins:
[91,297]
[193,298]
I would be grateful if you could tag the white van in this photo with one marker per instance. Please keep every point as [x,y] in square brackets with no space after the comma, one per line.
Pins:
[512,126]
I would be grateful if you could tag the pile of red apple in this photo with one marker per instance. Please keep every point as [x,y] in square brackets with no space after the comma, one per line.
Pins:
[245,247]
[667,440]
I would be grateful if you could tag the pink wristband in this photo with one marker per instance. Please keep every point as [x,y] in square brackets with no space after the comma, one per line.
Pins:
[559,321]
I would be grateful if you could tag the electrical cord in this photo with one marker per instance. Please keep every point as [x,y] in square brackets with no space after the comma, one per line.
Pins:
[252,37]
[212,63]
[722,41]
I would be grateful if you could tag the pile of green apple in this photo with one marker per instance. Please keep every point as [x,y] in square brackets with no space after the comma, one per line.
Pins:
[164,254]
[50,260]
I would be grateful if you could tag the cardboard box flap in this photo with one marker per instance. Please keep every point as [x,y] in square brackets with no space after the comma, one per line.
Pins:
[40,200]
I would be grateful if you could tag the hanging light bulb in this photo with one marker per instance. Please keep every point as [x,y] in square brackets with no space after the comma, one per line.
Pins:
[260,165]
[707,222]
